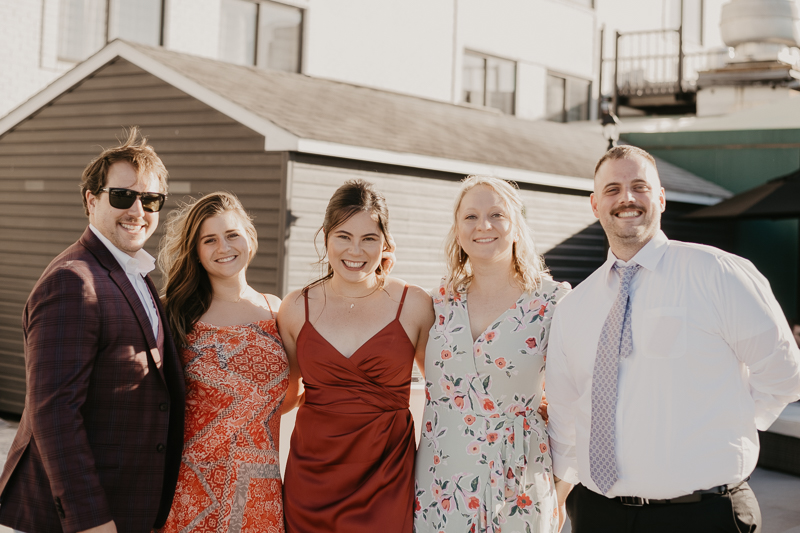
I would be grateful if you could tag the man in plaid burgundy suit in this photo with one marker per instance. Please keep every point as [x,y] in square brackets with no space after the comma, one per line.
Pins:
[99,444]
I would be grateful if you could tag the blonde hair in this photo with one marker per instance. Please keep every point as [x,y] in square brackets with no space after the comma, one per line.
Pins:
[529,268]
[187,290]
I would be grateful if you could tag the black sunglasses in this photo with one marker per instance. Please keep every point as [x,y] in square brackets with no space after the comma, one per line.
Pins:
[152,202]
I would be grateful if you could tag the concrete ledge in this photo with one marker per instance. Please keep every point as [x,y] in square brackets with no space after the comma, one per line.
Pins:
[788,423]
[780,444]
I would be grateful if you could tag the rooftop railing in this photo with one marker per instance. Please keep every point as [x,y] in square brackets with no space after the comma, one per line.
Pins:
[655,63]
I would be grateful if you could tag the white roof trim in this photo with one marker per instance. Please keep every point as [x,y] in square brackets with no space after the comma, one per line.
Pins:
[310,146]
[276,138]
[692,198]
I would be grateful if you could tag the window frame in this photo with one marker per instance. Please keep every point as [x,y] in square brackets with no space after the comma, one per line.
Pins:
[106,31]
[565,103]
[259,36]
[486,58]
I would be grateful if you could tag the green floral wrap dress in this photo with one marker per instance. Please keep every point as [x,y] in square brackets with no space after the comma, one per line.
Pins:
[483,463]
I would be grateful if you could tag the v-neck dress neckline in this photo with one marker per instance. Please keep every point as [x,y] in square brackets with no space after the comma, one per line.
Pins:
[484,449]
[465,299]
[351,460]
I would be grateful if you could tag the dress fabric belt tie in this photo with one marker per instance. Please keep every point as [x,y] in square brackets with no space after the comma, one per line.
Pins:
[512,455]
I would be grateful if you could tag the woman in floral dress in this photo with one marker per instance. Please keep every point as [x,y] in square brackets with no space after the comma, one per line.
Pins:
[237,373]
[483,463]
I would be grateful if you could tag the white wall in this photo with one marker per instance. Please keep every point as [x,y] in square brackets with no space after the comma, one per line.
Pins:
[540,35]
[27,62]
[399,46]
[414,46]
[192,26]
[417,46]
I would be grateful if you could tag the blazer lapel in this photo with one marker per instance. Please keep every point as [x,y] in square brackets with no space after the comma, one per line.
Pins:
[116,273]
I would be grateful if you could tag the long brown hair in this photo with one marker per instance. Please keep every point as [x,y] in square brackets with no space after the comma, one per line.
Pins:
[187,291]
[355,196]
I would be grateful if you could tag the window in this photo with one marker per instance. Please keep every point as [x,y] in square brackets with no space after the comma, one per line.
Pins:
[279,37]
[81,28]
[135,20]
[85,26]
[567,98]
[237,35]
[265,34]
[489,81]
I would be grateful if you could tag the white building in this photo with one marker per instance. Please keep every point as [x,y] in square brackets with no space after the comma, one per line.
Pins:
[531,58]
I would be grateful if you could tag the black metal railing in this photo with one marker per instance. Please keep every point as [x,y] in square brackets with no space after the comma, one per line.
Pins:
[654,63]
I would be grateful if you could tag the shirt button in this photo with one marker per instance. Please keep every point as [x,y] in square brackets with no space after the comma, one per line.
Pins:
[163,406]
[160,447]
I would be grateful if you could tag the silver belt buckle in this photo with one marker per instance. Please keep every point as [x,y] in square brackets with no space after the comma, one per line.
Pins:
[632,501]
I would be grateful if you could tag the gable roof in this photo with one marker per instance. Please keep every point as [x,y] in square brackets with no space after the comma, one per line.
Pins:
[312,115]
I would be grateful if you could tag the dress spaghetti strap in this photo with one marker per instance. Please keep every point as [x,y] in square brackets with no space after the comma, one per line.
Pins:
[305,297]
[268,306]
[402,299]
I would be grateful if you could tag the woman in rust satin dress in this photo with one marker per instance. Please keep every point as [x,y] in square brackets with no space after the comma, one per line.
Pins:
[352,336]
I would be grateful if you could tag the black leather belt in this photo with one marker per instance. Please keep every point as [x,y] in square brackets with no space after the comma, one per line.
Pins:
[696,496]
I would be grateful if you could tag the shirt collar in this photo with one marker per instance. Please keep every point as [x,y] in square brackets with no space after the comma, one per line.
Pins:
[142,263]
[648,257]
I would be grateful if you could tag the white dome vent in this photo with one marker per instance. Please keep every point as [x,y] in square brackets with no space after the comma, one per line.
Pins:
[760,21]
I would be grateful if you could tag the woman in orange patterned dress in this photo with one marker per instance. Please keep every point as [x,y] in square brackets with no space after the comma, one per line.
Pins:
[236,369]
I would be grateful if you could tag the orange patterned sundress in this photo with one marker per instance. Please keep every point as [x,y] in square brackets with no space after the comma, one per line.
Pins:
[229,478]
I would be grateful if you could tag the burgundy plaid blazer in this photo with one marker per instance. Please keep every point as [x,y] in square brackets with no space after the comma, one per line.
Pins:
[102,431]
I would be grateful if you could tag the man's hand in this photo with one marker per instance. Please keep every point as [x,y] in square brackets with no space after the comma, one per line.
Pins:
[108,527]
[562,491]
[562,516]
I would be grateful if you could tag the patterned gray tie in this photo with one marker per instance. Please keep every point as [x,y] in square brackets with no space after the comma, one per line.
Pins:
[615,341]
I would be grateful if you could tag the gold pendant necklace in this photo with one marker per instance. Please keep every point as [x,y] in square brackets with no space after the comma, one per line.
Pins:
[353,304]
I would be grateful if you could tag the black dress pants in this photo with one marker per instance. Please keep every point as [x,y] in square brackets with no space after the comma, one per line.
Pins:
[734,512]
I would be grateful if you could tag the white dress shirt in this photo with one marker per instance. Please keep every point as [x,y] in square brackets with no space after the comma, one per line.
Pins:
[136,267]
[713,359]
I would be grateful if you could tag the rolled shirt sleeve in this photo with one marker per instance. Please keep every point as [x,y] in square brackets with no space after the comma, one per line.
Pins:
[755,328]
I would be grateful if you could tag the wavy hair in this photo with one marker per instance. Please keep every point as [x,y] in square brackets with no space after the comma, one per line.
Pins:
[187,290]
[135,151]
[529,267]
[355,196]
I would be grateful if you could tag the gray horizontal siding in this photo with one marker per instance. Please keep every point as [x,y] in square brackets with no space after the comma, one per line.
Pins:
[420,212]
[41,161]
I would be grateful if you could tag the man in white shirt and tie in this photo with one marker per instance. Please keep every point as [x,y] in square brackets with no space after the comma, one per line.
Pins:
[661,367]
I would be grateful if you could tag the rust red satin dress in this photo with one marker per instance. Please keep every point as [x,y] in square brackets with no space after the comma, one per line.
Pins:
[351,461]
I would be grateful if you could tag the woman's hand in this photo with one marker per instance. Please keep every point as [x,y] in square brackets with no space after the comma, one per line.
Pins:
[543,409]
[291,317]
[388,259]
